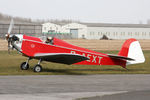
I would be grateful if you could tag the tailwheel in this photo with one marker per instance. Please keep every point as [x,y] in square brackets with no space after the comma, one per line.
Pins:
[24,66]
[37,68]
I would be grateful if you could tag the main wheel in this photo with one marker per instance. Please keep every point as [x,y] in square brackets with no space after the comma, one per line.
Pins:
[37,68]
[24,66]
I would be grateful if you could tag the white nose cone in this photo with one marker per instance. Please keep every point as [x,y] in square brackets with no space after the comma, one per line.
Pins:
[18,44]
[6,35]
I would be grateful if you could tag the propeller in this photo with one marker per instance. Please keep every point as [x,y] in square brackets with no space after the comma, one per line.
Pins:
[8,36]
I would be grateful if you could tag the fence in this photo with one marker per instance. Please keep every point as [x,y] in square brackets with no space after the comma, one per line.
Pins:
[28,29]
[31,30]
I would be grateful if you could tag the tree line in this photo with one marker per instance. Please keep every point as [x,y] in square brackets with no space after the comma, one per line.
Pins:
[5,19]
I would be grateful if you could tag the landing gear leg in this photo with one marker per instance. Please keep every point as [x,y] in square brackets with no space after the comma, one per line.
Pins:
[38,67]
[25,65]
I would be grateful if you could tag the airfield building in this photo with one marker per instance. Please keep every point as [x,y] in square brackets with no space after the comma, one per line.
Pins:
[98,30]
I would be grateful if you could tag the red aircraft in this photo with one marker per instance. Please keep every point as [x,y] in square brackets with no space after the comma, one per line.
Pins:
[59,51]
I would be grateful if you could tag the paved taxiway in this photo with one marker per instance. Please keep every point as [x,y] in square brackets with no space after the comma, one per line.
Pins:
[68,87]
[134,95]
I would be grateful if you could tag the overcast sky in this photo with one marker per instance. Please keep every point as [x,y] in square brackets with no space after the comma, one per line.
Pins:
[100,11]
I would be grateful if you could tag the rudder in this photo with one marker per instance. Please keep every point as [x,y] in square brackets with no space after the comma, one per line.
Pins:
[132,49]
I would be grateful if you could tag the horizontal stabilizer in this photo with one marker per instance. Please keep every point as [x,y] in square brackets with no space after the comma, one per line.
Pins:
[120,57]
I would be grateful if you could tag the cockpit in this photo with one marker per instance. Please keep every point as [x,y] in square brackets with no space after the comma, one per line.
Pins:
[47,40]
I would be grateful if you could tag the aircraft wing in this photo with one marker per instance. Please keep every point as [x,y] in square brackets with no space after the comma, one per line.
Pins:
[120,57]
[64,58]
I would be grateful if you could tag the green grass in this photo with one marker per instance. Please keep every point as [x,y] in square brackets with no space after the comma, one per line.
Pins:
[10,65]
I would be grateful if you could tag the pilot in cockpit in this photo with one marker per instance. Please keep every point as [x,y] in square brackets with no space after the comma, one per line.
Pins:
[49,40]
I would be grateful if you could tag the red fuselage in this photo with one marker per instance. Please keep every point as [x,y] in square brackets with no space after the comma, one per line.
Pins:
[32,46]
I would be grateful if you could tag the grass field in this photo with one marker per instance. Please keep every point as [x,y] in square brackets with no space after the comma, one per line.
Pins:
[10,65]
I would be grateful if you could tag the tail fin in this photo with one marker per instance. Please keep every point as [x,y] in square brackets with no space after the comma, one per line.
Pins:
[132,49]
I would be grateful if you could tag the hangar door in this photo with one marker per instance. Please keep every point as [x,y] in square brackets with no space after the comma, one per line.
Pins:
[74,33]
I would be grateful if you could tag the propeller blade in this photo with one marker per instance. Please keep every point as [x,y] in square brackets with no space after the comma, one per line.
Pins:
[8,47]
[7,36]
[11,26]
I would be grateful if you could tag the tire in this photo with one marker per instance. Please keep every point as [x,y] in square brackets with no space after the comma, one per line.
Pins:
[37,68]
[24,66]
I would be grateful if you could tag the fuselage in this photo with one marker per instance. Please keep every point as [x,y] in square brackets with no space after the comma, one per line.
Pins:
[32,46]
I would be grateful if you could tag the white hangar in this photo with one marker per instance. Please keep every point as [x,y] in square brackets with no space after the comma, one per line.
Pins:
[50,27]
[98,30]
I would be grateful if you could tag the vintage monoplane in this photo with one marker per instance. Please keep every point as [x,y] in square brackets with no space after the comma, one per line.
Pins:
[59,51]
